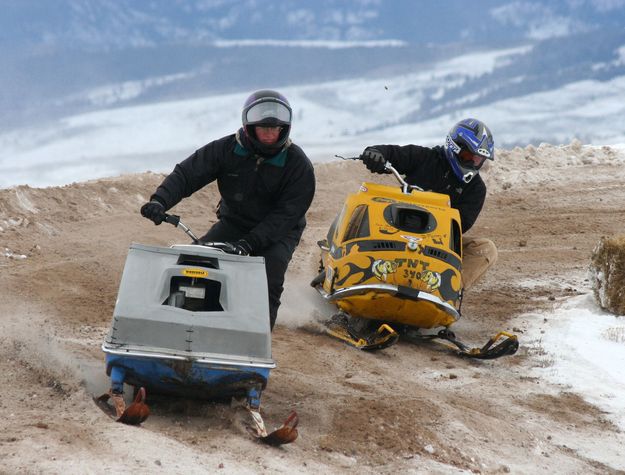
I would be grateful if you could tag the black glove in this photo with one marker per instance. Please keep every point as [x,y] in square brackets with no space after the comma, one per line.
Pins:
[241,248]
[373,160]
[155,211]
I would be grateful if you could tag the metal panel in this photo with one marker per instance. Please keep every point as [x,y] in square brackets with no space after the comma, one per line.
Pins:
[142,322]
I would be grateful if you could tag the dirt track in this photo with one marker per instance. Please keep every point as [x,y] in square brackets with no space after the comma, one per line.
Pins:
[409,408]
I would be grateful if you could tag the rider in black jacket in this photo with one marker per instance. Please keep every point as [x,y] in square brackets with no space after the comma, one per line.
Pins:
[452,169]
[266,184]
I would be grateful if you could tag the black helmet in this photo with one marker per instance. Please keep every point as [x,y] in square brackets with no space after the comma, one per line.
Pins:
[468,145]
[270,109]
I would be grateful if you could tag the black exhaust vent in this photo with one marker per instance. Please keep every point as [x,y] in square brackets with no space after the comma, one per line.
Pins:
[444,256]
[433,252]
[368,246]
[198,261]
[384,245]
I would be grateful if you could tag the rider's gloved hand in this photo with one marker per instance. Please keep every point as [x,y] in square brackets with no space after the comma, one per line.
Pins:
[373,160]
[241,248]
[154,211]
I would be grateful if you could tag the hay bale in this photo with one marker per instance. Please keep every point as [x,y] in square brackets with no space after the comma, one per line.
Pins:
[607,271]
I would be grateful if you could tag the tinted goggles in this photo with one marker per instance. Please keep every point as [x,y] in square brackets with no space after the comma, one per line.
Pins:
[268,110]
[471,160]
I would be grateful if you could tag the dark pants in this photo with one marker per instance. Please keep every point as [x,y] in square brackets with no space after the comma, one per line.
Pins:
[277,257]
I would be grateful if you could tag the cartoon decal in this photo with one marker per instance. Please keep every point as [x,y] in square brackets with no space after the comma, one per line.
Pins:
[431,279]
[410,269]
[382,268]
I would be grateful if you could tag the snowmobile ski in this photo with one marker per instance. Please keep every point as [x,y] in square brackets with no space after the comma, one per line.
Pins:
[502,344]
[285,434]
[132,415]
[384,336]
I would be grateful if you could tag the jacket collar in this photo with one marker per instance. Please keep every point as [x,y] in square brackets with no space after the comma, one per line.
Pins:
[278,160]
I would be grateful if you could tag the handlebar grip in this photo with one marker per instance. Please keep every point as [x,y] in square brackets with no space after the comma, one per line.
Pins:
[387,164]
[347,158]
[172,219]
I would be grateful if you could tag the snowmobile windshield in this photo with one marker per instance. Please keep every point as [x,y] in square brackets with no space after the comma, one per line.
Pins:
[263,112]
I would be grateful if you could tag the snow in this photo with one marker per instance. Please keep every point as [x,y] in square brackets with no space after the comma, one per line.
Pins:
[105,96]
[24,202]
[585,347]
[541,21]
[310,43]
[11,255]
[339,117]
[329,118]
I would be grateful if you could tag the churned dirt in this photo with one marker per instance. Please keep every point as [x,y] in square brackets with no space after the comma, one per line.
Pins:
[412,408]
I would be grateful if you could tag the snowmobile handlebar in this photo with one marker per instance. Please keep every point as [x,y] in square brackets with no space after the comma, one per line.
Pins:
[174,220]
[390,169]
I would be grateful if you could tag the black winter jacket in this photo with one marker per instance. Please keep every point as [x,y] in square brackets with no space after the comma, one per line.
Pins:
[428,168]
[265,198]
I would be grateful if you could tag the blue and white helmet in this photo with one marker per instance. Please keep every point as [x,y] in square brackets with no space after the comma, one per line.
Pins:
[468,145]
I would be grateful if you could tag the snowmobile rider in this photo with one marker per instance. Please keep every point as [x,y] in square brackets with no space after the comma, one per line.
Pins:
[266,183]
[452,169]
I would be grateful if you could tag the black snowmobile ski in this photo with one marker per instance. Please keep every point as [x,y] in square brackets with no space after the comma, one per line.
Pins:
[368,338]
[502,344]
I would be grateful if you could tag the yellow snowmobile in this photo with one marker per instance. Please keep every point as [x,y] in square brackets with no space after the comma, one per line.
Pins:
[392,263]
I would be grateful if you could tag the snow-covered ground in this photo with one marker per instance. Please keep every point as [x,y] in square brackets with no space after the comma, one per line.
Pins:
[339,117]
[584,352]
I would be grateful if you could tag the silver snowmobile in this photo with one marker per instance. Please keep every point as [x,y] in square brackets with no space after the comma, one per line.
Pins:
[191,320]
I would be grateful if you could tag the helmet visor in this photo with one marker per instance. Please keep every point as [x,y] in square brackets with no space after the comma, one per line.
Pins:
[268,110]
[471,160]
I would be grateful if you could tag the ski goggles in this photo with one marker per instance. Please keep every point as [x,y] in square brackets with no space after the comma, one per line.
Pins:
[268,110]
[471,160]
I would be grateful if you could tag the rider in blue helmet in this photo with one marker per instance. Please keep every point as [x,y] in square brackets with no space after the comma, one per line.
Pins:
[452,169]
[468,145]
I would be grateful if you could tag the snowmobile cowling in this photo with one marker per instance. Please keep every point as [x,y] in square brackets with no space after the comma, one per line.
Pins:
[192,301]
[395,257]
[391,262]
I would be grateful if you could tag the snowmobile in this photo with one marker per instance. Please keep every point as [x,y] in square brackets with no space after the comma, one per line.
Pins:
[391,263]
[191,320]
